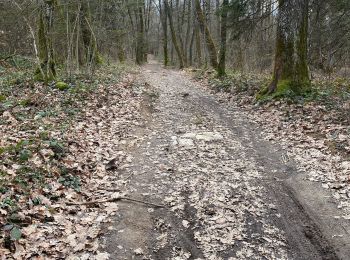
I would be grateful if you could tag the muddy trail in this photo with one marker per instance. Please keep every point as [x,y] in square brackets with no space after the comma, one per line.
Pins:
[227,193]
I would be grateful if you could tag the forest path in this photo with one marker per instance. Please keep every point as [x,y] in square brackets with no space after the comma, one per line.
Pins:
[225,189]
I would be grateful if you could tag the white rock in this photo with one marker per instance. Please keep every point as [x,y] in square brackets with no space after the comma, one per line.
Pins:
[186,142]
[189,135]
[220,221]
[174,141]
[138,251]
[209,136]
[346,165]
[185,223]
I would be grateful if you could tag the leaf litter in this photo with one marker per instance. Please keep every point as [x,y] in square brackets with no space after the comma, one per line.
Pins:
[315,133]
[202,167]
[58,150]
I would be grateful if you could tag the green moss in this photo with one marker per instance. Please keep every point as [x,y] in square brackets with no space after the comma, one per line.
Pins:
[2,98]
[285,89]
[262,94]
[38,76]
[99,59]
[61,85]
[25,102]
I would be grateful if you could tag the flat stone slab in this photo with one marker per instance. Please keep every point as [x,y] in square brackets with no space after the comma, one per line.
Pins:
[187,139]
[209,136]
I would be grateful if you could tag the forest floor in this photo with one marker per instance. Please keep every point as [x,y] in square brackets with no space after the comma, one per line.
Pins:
[232,188]
[214,177]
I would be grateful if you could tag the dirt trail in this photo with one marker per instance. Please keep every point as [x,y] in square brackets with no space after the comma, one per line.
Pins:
[228,194]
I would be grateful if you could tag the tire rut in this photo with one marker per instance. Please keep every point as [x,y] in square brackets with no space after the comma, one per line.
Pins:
[259,215]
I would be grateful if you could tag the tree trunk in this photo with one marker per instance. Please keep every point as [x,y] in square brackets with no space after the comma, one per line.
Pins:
[45,51]
[91,55]
[223,35]
[164,22]
[140,42]
[198,46]
[291,66]
[173,35]
[180,19]
[190,54]
[209,40]
[120,47]
[188,30]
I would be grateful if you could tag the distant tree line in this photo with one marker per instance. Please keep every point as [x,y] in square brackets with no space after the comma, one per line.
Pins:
[290,38]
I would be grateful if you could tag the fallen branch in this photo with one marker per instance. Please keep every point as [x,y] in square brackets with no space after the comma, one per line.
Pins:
[113,200]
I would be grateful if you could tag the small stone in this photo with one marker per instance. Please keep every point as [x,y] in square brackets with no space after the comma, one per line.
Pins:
[185,223]
[138,251]
[186,142]
[220,221]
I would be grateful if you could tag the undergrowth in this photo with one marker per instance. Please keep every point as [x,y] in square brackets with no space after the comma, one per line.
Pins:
[33,118]
[329,92]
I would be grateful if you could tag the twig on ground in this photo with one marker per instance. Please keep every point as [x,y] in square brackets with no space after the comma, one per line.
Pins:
[114,200]
[131,174]
[112,190]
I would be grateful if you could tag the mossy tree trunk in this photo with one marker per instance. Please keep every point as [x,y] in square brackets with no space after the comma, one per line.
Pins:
[140,38]
[291,65]
[47,70]
[209,40]
[223,35]
[164,22]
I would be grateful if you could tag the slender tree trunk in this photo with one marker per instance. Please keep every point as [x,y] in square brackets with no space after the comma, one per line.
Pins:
[188,29]
[190,57]
[198,46]
[209,40]
[164,22]
[120,47]
[197,41]
[39,72]
[90,51]
[218,24]
[223,35]
[301,65]
[182,43]
[45,51]
[173,35]
[140,43]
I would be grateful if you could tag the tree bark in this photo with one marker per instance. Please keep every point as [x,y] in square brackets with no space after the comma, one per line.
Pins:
[223,35]
[209,40]
[173,35]
[198,46]
[140,42]
[164,22]
[91,55]
[291,65]
[45,51]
